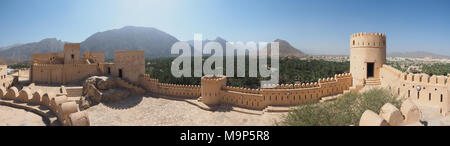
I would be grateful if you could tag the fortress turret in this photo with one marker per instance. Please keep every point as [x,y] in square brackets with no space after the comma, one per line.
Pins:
[211,87]
[367,56]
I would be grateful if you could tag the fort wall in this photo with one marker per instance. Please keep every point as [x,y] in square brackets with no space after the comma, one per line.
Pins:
[213,91]
[62,73]
[98,57]
[154,86]
[424,89]
[48,58]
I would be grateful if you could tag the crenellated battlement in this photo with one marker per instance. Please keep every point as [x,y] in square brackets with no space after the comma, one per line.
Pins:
[243,90]
[424,78]
[213,78]
[368,40]
[309,85]
[364,34]
[166,85]
[48,65]
[425,89]
[148,78]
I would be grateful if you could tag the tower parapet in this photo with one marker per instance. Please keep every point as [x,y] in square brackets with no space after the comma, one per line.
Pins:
[367,40]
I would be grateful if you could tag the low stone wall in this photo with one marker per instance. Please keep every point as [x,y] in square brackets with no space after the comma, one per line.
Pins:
[59,105]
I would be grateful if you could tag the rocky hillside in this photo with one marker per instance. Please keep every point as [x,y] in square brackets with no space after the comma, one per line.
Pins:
[285,49]
[156,43]
[23,52]
[219,40]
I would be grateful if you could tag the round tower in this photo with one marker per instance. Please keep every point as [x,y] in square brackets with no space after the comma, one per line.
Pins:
[211,87]
[367,56]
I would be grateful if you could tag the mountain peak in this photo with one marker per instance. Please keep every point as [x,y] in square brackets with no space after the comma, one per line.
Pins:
[220,39]
[282,41]
[285,49]
[49,40]
[136,27]
[156,43]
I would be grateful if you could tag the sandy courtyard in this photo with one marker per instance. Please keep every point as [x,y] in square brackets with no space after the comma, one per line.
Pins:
[17,117]
[149,111]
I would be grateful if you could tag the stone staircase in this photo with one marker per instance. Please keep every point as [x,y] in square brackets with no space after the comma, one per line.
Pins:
[352,89]
[74,91]
[372,81]
[133,87]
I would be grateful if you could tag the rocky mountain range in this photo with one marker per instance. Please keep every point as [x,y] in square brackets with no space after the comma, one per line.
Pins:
[285,49]
[156,43]
[22,52]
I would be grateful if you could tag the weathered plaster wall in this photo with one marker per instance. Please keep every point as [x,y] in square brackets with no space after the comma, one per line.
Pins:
[131,63]
[97,57]
[62,73]
[71,53]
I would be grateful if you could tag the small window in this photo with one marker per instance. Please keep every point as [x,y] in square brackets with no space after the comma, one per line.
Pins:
[409,93]
[353,42]
[442,98]
[73,56]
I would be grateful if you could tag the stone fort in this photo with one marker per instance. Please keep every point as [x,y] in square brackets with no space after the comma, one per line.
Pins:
[367,68]
[69,67]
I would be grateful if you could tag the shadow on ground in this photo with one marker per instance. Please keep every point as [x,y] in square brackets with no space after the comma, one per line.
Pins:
[126,103]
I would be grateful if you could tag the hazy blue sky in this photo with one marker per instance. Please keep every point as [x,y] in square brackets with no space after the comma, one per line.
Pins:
[317,26]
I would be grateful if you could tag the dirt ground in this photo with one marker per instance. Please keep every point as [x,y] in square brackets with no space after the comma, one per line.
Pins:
[149,111]
[17,117]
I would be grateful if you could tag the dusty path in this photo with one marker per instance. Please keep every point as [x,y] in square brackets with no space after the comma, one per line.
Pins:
[150,111]
[18,117]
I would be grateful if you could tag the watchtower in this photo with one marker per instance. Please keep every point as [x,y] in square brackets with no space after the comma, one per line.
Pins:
[211,87]
[71,53]
[367,56]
